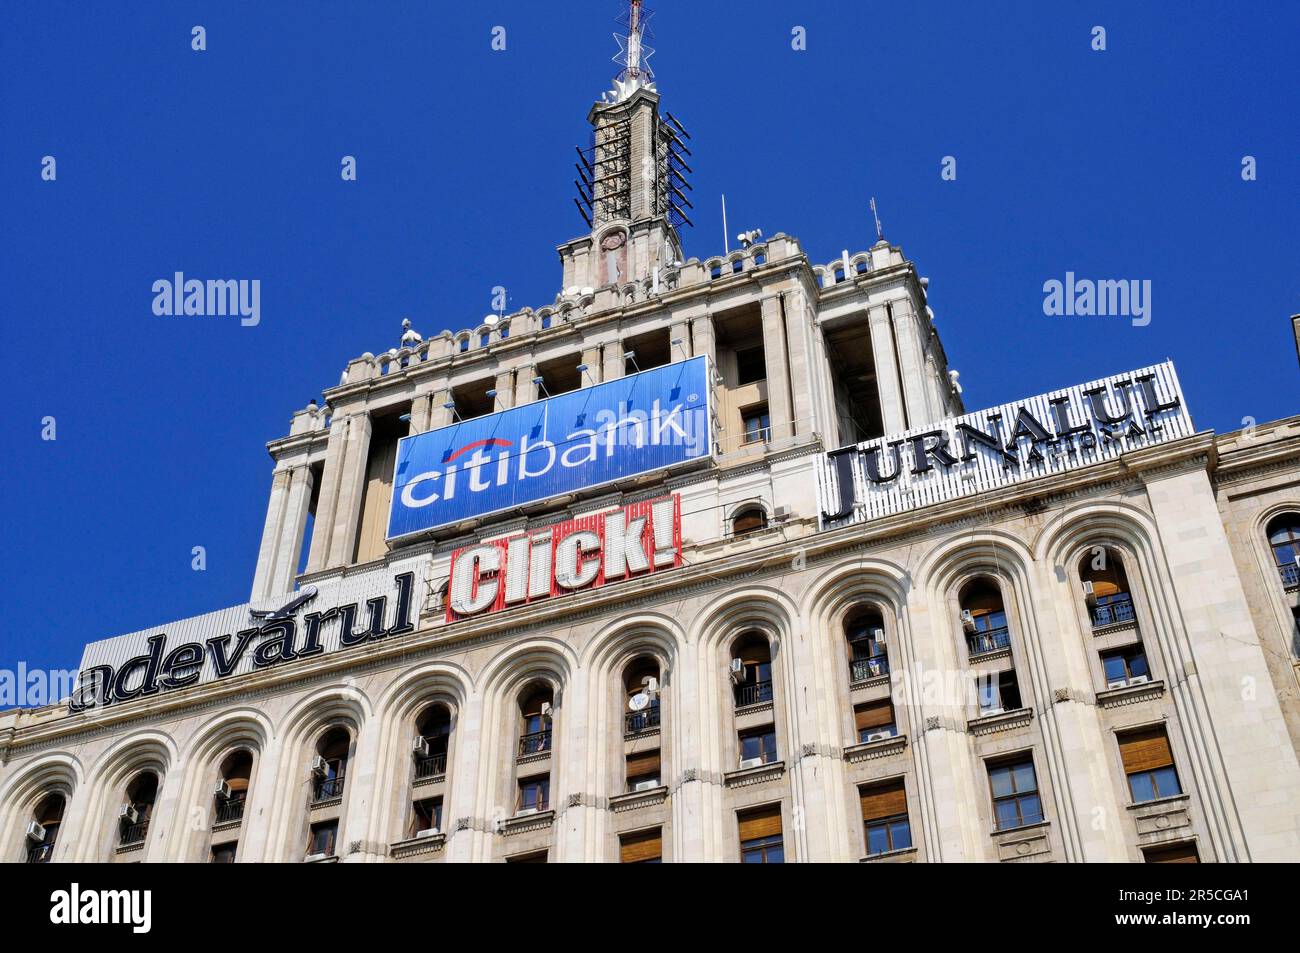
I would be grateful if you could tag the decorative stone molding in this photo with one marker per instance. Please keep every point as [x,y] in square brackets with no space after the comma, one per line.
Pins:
[1061,695]
[872,682]
[870,750]
[575,800]
[635,800]
[227,826]
[747,777]
[1114,627]
[430,781]
[464,823]
[754,709]
[988,724]
[992,656]
[690,774]
[413,846]
[533,758]
[129,848]
[933,723]
[1154,818]
[326,804]
[522,823]
[1130,694]
[1024,844]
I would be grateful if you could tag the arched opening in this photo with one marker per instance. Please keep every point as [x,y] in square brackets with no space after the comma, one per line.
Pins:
[642,761]
[232,788]
[1284,543]
[751,669]
[864,631]
[135,812]
[432,740]
[984,617]
[751,519]
[1106,588]
[330,766]
[535,706]
[43,828]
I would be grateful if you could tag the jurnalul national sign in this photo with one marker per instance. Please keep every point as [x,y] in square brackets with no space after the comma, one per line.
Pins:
[651,421]
[1039,436]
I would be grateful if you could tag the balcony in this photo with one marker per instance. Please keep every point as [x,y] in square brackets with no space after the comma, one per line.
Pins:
[40,853]
[863,669]
[327,788]
[1290,573]
[988,640]
[133,834]
[635,722]
[1118,610]
[431,765]
[537,742]
[755,693]
[230,811]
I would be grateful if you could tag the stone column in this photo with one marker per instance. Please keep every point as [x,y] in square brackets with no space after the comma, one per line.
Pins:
[911,353]
[703,340]
[889,386]
[591,357]
[505,388]
[612,364]
[336,449]
[779,406]
[352,477]
[525,389]
[272,531]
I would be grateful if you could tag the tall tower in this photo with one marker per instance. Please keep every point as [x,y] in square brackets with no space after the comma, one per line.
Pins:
[632,176]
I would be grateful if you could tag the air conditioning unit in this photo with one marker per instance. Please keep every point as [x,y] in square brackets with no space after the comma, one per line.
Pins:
[737,670]
[428,832]
[319,767]
[35,831]
[1118,683]
[781,514]
[646,785]
[990,711]
[546,710]
[1089,592]
[1139,679]
[878,636]
[967,620]
[650,685]
[880,735]
[420,747]
[524,811]
[128,813]
[751,763]
[222,790]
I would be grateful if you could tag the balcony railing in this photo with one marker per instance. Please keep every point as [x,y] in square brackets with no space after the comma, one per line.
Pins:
[1290,574]
[1119,609]
[230,810]
[861,669]
[327,788]
[636,721]
[754,693]
[431,765]
[133,834]
[988,640]
[535,742]
[39,853]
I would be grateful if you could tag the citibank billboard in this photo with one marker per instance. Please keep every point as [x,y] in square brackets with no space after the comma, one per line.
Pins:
[653,420]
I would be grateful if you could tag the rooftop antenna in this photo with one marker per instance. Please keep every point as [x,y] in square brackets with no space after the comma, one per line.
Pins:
[880,232]
[726,242]
[633,53]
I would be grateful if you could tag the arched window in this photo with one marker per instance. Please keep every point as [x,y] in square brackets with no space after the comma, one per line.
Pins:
[330,766]
[433,737]
[984,617]
[751,670]
[232,788]
[864,630]
[1105,587]
[1284,541]
[535,716]
[751,519]
[641,690]
[135,812]
[43,828]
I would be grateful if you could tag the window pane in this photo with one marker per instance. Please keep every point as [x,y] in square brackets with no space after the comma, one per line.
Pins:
[1141,786]
[1138,665]
[1024,774]
[752,857]
[749,747]
[1114,665]
[1167,782]
[1006,813]
[877,840]
[900,833]
[1001,779]
[1031,809]
[776,855]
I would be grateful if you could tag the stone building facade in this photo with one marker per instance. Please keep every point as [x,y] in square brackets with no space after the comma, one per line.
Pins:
[1097,663]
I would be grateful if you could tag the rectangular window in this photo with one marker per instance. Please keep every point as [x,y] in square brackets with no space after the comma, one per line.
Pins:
[535,793]
[874,718]
[757,423]
[751,366]
[428,815]
[1184,853]
[641,847]
[642,768]
[1015,794]
[758,743]
[1149,764]
[760,836]
[321,840]
[224,853]
[536,857]
[884,817]
[1125,666]
[998,693]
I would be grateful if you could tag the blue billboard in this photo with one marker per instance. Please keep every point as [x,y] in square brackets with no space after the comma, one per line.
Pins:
[649,421]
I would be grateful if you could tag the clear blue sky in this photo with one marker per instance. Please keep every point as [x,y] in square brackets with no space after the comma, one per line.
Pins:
[1117,164]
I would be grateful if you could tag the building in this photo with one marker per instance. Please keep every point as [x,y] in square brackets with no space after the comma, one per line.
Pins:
[780,598]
